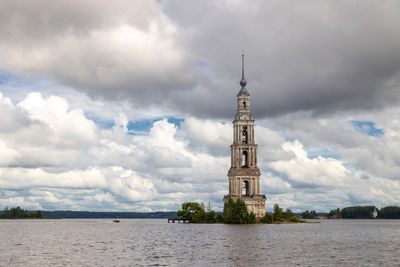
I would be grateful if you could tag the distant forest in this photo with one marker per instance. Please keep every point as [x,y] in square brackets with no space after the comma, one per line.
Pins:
[18,213]
[355,212]
[365,212]
[67,214]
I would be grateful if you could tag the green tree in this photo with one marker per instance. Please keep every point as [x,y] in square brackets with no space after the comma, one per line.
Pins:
[18,213]
[252,218]
[309,214]
[38,214]
[210,217]
[220,218]
[189,209]
[268,218]
[5,214]
[235,211]
[277,213]
[357,212]
[389,212]
[313,214]
[194,212]
[335,212]
[294,219]
[287,214]
[198,217]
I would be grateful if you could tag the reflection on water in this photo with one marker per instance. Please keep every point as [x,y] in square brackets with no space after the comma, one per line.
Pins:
[155,242]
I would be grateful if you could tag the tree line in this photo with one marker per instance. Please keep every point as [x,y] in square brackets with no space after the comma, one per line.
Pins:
[18,213]
[195,213]
[309,214]
[389,212]
[365,212]
[68,214]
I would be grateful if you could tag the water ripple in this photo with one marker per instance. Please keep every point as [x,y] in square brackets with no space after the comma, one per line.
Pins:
[157,243]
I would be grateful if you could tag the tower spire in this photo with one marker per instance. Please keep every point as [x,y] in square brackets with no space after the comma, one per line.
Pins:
[243,65]
[243,81]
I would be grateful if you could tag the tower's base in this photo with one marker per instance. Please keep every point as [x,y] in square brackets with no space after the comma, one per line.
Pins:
[255,204]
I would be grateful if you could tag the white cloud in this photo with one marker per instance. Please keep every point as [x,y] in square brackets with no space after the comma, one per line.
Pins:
[208,135]
[53,156]
[16,178]
[60,154]
[8,155]
[69,127]
[303,171]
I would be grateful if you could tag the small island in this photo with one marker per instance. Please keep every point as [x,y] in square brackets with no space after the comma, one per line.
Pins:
[18,213]
[235,212]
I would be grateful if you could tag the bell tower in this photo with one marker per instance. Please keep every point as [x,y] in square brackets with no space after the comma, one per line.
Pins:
[244,175]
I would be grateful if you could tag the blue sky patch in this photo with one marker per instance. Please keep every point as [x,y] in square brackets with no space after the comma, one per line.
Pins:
[201,64]
[107,124]
[176,121]
[137,127]
[326,153]
[13,79]
[289,139]
[102,124]
[367,127]
[141,125]
[7,77]
[144,126]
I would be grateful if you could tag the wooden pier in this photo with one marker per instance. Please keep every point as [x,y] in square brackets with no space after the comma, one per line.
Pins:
[178,220]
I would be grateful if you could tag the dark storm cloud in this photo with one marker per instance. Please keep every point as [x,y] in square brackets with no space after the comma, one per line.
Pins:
[308,55]
[42,20]
[319,56]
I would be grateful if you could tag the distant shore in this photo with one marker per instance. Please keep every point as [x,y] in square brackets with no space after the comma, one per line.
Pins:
[109,215]
[43,218]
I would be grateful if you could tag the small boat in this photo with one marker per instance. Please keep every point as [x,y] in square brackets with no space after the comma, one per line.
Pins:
[116,220]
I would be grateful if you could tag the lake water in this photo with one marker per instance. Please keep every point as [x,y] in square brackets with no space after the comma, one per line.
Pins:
[154,242]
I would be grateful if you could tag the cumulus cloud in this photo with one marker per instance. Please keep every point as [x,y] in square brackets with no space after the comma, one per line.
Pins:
[335,163]
[313,70]
[302,171]
[208,135]
[69,127]
[8,155]
[59,154]
[53,157]
[338,137]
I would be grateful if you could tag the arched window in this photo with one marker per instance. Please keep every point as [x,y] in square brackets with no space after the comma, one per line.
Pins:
[244,159]
[244,104]
[245,188]
[244,136]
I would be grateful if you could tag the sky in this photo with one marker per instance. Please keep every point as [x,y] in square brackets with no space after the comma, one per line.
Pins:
[128,105]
